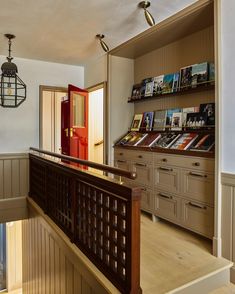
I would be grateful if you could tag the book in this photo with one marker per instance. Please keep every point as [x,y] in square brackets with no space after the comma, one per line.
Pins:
[176,82]
[149,140]
[196,120]
[211,72]
[137,138]
[185,77]
[209,109]
[199,74]
[184,141]
[136,92]
[166,140]
[147,121]
[203,143]
[149,83]
[168,83]
[187,110]
[176,122]
[136,123]
[159,120]
[169,115]
[124,140]
[157,85]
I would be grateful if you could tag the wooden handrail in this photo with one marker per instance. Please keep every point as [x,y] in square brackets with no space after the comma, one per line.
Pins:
[103,167]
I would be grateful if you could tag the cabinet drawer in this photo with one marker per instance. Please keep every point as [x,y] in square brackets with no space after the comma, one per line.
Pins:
[121,154]
[146,199]
[144,173]
[199,218]
[123,164]
[196,163]
[167,206]
[166,178]
[141,156]
[198,185]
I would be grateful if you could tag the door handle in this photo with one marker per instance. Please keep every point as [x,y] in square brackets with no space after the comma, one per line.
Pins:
[99,143]
[166,168]
[197,205]
[197,175]
[66,132]
[165,196]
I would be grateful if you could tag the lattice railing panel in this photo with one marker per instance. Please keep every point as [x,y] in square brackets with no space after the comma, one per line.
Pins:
[100,216]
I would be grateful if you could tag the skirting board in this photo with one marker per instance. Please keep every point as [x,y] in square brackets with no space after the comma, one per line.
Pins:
[232,274]
[13,209]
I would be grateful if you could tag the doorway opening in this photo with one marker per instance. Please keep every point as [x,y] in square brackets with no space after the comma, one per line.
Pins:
[53,131]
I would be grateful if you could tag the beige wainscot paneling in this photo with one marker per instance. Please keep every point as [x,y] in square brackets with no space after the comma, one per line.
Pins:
[14,186]
[13,175]
[228,219]
[14,255]
[52,264]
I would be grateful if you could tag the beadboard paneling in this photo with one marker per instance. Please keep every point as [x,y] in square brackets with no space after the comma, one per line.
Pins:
[14,177]
[195,48]
[50,262]
[228,219]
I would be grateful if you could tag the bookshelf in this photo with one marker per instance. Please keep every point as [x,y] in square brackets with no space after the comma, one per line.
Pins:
[186,38]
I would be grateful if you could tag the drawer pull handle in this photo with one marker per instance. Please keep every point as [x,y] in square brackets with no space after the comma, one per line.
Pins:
[141,164]
[197,205]
[165,196]
[197,175]
[140,156]
[143,189]
[196,164]
[121,153]
[166,168]
[121,161]
[164,160]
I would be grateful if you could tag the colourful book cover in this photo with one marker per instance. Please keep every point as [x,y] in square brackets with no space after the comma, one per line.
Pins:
[136,123]
[199,74]
[204,143]
[168,83]
[169,115]
[158,85]
[184,141]
[185,77]
[166,140]
[137,138]
[159,120]
[176,122]
[147,121]
[149,140]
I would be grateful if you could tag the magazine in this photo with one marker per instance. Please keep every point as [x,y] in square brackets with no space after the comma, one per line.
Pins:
[209,109]
[126,138]
[157,85]
[147,121]
[185,77]
[149,83]
[159,120]
[136,123]
[196,120]
[176,82]
[136,92]
[149,140]
[199,74]
[176,122]
[137,138]
[166,140]
[169,115]
[187,110]
[204,143]
[168,83]
[184,141]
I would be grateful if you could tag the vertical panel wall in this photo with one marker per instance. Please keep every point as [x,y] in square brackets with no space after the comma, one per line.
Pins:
[50,262]
[228,219]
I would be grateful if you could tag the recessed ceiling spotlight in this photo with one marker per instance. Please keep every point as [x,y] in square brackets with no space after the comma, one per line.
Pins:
[102,42]
[149,18]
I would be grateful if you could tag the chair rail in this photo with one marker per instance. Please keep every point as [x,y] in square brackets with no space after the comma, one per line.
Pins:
[99,215]
[103,167]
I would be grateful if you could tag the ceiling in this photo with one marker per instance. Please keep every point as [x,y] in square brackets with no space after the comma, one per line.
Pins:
[64,31]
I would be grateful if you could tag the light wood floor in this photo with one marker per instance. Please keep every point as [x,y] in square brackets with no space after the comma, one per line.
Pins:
[172,257]
[228,289]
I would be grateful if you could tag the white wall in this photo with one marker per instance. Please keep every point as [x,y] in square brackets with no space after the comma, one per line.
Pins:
[19,127]
[228,89]
[96,71]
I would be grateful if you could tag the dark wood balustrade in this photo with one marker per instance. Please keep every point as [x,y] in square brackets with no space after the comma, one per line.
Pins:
[98,214]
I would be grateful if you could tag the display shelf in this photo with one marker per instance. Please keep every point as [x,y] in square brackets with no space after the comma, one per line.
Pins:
[201,130]
[185,91]
[207,154]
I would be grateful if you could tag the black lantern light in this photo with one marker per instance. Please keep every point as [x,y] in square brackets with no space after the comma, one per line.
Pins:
[12,88]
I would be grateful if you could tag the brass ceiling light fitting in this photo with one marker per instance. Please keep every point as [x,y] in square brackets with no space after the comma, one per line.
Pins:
[102,43]
[149,18]
[12,88]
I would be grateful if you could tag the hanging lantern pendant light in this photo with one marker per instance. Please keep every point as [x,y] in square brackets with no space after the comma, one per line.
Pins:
[12,88]
[102,42]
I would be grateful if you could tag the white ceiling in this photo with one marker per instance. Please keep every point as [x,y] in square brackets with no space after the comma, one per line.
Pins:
[64,31]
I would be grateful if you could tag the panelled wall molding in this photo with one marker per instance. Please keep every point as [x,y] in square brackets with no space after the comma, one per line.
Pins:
[14,186]
[52,263]
[228,219]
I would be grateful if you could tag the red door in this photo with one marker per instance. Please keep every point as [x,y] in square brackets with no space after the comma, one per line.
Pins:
[74,124]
